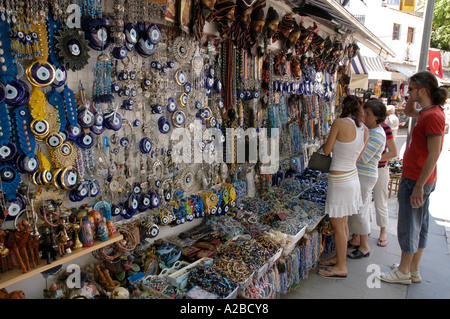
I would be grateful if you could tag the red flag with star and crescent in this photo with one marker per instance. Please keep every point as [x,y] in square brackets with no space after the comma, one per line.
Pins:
[434,61]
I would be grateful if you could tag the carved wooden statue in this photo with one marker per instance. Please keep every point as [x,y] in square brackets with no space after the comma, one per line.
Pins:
[16,241]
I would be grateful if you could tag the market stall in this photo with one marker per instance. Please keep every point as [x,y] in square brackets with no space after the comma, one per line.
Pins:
[143,144]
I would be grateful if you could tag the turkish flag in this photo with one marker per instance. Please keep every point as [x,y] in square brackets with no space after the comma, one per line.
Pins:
[434,61]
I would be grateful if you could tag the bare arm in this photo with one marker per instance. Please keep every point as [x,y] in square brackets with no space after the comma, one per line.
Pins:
[434,150]
[328,146]
[392,151]
[410,109]
[366,141]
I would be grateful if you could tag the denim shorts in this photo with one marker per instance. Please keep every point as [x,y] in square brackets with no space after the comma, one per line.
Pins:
[412,227]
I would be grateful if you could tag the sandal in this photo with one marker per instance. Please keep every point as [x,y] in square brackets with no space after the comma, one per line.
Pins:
[350,245]
[382,242]
[357,254]
[332,275]
[326,263]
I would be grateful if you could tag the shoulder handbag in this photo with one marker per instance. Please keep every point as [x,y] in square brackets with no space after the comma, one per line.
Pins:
[319,161]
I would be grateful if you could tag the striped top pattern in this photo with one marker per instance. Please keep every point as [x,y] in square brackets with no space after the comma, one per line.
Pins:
[368,163]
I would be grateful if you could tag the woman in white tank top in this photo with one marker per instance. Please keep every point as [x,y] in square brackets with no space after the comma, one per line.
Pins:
[346,141]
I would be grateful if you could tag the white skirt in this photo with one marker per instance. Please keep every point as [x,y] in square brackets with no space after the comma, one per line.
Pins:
[343,195]
[360,224]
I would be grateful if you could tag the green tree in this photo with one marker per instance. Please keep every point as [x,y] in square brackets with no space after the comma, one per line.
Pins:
[440,32]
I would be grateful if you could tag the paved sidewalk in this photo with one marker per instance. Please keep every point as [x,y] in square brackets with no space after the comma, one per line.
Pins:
[435,263]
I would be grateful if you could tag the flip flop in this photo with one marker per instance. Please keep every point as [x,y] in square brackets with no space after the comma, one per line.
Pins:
[382,242]
[357,254]
[325,264]
[332,276]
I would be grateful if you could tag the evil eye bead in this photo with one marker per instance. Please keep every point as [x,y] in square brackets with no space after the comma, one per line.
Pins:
[74,47]
[13,209]
[60,77]
[167,196]
[146,82]
[145,48]
[145,145]
[144,202]
[113,121]
[152,231]
[218,85]
[170,64]
[119,52]
[7,152]
[86,118]
[154,200]
[157,109]
[8,173]
[17,93]
[133,202]
[187,88]
[182,99]
[178,118]
[66,149]
[124,142]
[98,38]
[116,210]
[82,190]
[86,140]
[40,129]
[164,126]
[54,140]
[74,131]
[171,105]
[39,74]
[13,93]
[94,188]
[69,178]
[154,34]
[97,129]
[137,188]
[131,33]
[209,82]
[115,88]
[180,77]
[27,165]
[98,119]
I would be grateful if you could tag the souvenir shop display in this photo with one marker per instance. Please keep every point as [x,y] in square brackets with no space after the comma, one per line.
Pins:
[93,97]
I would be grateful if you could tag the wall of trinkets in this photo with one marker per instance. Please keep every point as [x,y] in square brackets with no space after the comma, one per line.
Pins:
[94,204]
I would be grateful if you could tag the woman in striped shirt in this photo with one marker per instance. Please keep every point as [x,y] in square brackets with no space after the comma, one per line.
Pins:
[359,225]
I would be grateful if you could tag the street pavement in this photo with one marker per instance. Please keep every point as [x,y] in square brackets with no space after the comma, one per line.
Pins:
[361,282]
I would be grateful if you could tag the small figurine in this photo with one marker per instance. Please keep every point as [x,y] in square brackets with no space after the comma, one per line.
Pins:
[48,246]
[86,233]
[16,241]
[61,239]
[111,228]
[102,231]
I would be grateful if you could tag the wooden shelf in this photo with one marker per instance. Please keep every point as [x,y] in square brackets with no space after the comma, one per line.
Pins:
[16,274]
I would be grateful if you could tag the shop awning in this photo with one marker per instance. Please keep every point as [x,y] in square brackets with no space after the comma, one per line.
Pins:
[405,69]
[339,18]
[372,66]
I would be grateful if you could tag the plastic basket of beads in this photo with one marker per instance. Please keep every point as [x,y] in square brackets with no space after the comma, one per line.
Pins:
[210,279]
[149,293]
[180,277]
[295,240]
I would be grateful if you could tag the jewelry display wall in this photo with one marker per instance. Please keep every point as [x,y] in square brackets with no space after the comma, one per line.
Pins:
[92,92]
